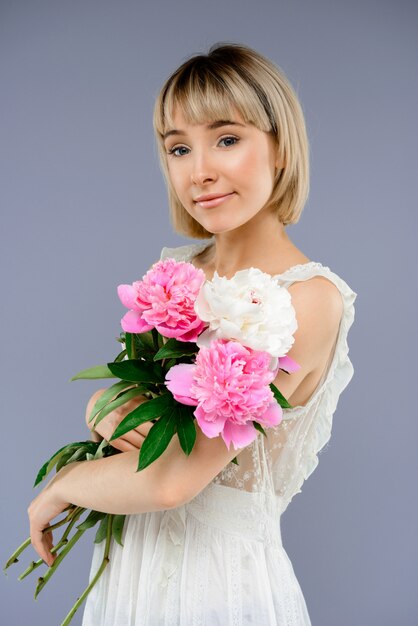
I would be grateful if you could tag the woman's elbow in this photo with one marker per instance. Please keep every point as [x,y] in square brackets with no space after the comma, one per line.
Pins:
[173,496]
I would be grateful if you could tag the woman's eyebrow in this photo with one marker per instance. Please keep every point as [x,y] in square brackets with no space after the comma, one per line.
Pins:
[210,126]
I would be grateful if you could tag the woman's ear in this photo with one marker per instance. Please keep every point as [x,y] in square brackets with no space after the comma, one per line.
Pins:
[280,162]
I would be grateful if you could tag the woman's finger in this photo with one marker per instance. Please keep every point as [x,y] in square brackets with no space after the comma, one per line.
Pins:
[124,445]
[132,440]
[44,508]
[136,436]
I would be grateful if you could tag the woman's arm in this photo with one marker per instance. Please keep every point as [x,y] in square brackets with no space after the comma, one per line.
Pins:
[112,485]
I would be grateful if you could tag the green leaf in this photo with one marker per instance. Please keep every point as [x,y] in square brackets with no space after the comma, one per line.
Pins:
[77,454]
[279,397]
[145,342]
[157,440]
[69,448]
[140,345]
[102,530]
[174,349]
[117,528]
[143,413]
[157,339]
[186,428]
[47,467]
[74,451]
[104,449]
[107,396]
[137,371]
[235,460]
[109,450]
[64,459]
[130,346]
[91,520]
[258,427]
[122,398]
[91,373]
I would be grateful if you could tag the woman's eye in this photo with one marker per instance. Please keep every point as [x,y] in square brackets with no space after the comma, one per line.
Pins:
[229,141]
[178,151]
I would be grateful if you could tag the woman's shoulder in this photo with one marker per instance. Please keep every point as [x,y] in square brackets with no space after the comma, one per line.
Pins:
[317,280]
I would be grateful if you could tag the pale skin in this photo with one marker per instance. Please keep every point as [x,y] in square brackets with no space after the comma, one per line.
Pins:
[239,161]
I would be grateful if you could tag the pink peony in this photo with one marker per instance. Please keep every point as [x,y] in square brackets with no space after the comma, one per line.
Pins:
[288,364]
[229,385]
[164,299]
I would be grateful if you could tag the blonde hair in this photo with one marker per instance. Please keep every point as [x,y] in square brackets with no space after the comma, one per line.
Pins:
[231,77]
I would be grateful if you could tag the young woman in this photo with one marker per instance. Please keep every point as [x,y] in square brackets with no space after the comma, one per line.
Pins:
[202,540]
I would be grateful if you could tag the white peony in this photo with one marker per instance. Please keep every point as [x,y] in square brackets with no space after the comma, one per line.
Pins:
[250,307]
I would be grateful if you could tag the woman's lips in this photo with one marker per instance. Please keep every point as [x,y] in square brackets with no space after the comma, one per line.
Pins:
[207,204]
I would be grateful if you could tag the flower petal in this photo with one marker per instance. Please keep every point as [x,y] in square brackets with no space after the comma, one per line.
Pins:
[210,428]
[133,323]
[241,435]
[288,364]
[272,416]
[206,338]
[179,380]
[127,294]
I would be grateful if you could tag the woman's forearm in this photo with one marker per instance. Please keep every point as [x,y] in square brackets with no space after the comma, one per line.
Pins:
[112,485]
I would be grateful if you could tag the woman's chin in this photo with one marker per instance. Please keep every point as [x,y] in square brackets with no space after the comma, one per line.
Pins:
[219,226]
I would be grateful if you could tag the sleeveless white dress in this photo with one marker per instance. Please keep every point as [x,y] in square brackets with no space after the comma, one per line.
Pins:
[219,560]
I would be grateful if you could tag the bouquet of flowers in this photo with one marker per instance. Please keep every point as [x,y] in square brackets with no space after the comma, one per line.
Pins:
[202,353]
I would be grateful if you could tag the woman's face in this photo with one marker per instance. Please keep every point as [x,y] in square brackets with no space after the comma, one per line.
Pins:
[222,171]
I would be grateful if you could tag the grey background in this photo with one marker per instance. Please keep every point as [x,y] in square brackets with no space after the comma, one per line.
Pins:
[83,208]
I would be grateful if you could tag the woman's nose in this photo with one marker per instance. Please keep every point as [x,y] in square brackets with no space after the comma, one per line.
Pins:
[203,169]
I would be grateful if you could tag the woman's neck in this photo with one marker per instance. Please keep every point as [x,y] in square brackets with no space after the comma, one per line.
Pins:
[263,244]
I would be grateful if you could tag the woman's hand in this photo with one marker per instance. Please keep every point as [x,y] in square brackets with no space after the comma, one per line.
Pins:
[131,440]
[44,508]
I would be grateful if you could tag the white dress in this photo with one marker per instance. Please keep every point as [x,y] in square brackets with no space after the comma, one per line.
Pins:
[219,560]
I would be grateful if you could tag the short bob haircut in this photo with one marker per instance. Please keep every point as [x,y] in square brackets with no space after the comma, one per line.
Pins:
[233,77]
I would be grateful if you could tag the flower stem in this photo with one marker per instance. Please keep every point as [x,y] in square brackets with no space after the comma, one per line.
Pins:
[78,511]
[99,572]
[44,579]
[31,567]
[75,514]
[13,558]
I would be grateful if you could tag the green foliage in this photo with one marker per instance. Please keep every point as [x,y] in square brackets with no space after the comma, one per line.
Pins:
[122,398]
[102,530]
[65,452]
[92,373]
[157,440]
[145,412]
[91,520]
[117,528]
[258,427]
[186,427]
[279,397]
[140,345]
[137,371]
[112,392]
[174,349]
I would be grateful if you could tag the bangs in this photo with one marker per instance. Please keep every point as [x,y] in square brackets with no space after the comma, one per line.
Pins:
[205,94]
